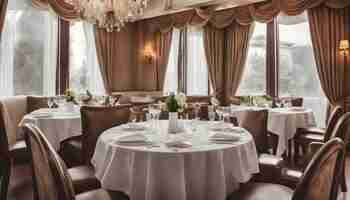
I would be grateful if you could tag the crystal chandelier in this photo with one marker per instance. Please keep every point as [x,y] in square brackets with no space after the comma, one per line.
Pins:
[109,14]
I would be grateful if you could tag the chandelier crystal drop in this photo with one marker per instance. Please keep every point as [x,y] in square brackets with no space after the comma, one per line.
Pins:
[109,14]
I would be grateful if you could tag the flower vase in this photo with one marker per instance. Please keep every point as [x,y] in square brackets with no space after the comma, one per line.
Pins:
[173,122]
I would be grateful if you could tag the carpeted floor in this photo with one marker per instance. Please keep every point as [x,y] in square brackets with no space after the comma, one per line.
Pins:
[21,183]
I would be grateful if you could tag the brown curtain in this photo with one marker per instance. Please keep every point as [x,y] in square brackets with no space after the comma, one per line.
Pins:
[328,26]
[3,8]
[106,48]
[214,51]
[237,43]
[162,49]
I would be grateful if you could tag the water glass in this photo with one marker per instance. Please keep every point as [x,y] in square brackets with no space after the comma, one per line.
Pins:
[211,116]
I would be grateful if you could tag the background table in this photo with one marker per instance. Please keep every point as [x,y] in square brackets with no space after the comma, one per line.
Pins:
[283,122]
[203,171]
[57,126]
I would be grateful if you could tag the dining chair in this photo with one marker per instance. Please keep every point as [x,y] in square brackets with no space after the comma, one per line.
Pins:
[255,122]
[305,136]
[95,120]
[320,181]
[341,130]
[51,178]
[138,114]
[5,163]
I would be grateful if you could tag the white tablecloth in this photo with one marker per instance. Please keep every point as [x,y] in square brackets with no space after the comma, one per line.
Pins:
[57,125]
[284,122]
[203,171]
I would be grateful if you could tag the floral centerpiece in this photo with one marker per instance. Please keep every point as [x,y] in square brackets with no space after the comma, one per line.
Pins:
[70,98]
[175,104]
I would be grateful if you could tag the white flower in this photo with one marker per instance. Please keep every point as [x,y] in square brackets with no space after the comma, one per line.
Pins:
[181,99]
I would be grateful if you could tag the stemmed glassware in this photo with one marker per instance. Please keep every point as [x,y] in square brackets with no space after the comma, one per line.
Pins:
[50,102]
[220,112]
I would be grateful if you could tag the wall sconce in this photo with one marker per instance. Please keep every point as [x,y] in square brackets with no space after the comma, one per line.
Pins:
[344,47]
[149,54]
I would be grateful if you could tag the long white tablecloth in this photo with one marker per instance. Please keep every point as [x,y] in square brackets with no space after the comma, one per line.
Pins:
[284,122]
[56,125]
[203,171]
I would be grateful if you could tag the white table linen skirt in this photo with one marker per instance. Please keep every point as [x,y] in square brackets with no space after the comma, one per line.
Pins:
[56,128]
[204,172]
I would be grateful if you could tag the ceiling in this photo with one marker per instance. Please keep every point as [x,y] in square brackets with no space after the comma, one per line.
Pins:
[162,7]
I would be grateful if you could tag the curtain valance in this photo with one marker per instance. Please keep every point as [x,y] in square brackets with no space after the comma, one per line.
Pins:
[244,15]
[61,7]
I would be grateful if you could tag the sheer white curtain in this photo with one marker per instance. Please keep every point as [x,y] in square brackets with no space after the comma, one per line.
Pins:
[7,46]
[197,68]
[50,57]
[95,82]
[28,56]
[171,77]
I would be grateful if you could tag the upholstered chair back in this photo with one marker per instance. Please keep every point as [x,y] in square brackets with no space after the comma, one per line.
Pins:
[36,102]
[13,110]
[51,179]
[342,129]
[335,115]
[297,102]
[137,113]
[4,145]
[320,180]
[95,120]
[255,121]
[5,162]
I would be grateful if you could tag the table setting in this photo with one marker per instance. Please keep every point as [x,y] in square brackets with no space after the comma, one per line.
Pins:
[58,123]
[282,121]
[135,158]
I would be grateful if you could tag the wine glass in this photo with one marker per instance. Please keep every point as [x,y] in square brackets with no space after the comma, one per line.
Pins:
[61,100]
[211,115]
[50,102]
[197,108]
[220,112]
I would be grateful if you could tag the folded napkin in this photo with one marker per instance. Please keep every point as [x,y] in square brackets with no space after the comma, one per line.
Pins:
[135,127]
[297,109]
[224,136]
[132,138]
[44,111]
[178,144]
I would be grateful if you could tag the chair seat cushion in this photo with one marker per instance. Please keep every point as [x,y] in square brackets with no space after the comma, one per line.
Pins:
[19,153]
[313,130]
[101,194]
[291,177]
[71,151]
[270,168]
[262,191]
[270,160]
[83,178]
[311,137]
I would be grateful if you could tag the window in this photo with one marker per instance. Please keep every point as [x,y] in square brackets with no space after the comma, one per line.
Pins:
[254,77]
[297,67]
[196,66]
[28,51]
[197,69]
[84,68]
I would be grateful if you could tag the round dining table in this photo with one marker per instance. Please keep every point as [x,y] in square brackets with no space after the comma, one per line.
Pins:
[157,170]
[283,122]
[56,124]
